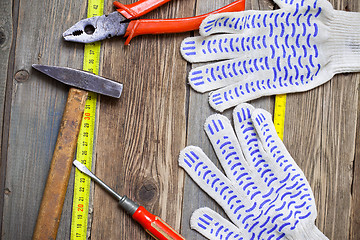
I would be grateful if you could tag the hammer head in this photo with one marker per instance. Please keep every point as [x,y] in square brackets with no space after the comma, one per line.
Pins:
[82,79]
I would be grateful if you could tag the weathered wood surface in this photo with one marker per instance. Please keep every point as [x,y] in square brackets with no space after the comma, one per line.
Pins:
[6,32]
[320,133]
[139,136]
[199,110]
[35,109]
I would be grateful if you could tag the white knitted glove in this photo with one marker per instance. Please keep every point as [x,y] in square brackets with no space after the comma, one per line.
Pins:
[293,49]
[264,193]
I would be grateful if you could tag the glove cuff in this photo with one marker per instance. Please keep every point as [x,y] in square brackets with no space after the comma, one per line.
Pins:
[307,232]
[344,41]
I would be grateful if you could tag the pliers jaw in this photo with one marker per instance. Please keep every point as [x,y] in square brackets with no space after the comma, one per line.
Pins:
[122,23]
[97,28]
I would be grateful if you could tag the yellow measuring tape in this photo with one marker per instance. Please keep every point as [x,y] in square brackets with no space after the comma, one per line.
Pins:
[279,114]
[85,142]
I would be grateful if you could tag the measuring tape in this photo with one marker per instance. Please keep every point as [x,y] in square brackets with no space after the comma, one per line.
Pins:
[85,142]
[279,114]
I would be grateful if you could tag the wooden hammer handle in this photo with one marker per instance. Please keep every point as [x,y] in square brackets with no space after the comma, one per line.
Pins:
[55,190]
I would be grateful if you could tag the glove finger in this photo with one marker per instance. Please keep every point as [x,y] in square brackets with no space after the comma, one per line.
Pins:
[245,131]
[225,143]
[237,22]
[205,49]
[225,73]
[228,46]
[239,205]
[293,184]
[251,30]
[251,145]
[266,69]
[260,85]
[253,77]
[274,147]
[200,168]
[270,140]
[213,226]
[255,153]
[289,190]
[260,34]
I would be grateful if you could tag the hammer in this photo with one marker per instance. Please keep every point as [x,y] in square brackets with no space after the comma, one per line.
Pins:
[53,198]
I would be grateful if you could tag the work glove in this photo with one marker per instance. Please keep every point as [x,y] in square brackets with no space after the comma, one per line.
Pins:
[293,49]
[264,193]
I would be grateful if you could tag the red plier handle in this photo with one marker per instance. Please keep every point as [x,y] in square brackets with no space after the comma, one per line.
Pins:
[158,26]
[138,8]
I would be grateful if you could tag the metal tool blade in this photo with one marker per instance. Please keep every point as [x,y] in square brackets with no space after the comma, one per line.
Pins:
[86,171]
[83,168]
[97,28]
[82,79]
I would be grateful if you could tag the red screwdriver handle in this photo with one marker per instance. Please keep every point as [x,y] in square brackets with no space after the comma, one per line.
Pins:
[138,8]
[177,25]
[155,226]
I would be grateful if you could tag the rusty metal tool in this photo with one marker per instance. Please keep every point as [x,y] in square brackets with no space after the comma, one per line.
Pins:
[55,189]
[154,225]
[122,23]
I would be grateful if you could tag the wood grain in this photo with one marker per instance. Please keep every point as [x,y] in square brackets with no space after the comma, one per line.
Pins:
[199,110]
[324,123]
[355,193]
[6,33]
[35,109]
[324,149]
[140,135]
[53,198]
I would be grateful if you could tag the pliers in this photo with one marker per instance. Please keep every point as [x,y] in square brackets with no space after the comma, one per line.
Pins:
[122,23]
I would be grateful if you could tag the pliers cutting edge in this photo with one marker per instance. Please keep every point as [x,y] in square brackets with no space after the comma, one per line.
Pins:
[121,23]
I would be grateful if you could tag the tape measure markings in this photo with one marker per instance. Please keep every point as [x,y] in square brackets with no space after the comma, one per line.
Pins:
[82,182]
[279,114]
[85,142]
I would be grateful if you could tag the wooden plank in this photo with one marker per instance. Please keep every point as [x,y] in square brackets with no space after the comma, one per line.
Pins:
[6,33]
[324,123]
[354,6]
[140,135]
[199,110]
[324,149]
[355,201]
[36,109]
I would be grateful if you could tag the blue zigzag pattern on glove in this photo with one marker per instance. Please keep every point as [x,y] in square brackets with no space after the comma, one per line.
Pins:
[292,182]
[205,221]
[227,194]
[300,55]
[233,161]
[276,207]
[224,191]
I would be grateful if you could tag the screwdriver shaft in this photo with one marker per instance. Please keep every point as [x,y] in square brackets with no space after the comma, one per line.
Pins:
[86,171]
[154,225]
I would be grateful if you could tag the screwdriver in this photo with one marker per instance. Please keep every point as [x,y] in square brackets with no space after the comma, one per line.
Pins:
[152,224]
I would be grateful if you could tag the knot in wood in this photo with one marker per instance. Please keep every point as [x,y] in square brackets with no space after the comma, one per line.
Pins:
[22,76]
[147,192]
[7,191]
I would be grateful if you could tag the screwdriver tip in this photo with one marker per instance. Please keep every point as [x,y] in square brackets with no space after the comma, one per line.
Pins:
[82,167]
